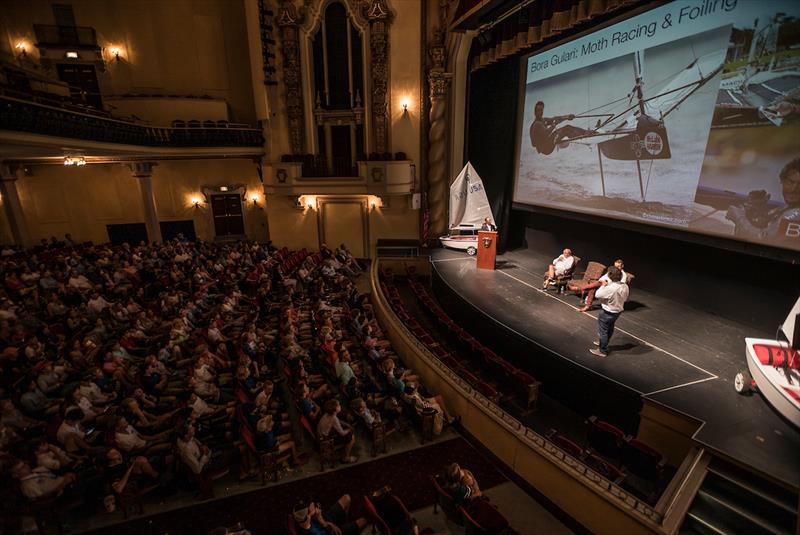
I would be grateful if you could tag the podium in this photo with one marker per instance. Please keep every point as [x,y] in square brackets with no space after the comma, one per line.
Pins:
[487,249]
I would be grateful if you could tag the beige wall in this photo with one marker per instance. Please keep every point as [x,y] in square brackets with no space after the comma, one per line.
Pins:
[404,73]
[174,47]
[298,228]
[83,200]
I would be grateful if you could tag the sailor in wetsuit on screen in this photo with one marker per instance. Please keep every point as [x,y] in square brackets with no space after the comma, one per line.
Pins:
[546,134]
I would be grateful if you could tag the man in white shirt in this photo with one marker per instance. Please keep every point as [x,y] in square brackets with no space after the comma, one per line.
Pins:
[592,288]
[559,266]
[194,454]
[614,294]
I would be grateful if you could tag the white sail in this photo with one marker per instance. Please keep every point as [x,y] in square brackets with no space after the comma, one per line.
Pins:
[685,83]
[468,202]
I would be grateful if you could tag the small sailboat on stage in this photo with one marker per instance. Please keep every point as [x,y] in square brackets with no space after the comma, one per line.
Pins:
[774,368]
[469,206]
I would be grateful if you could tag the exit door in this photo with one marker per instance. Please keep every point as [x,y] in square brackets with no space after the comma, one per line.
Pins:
[82,81]
[228,218]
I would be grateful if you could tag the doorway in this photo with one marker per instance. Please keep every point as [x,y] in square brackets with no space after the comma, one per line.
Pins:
[228,216]
[82,80]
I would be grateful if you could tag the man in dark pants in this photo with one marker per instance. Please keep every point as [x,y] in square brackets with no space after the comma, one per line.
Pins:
[613,294]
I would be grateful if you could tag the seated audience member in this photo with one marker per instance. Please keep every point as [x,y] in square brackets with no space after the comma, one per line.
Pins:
[71,434]
[40,483]
[119,473]
[560,265]
[412,396]
[307,403]
[342,432]
[268,440]
[461,484]
[591,289]
[310,518]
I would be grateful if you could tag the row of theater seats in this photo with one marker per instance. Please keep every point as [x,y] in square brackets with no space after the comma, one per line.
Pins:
[507,383]
[478,517]
[620,458]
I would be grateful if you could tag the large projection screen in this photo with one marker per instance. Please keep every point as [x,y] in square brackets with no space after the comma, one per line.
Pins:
[686,116]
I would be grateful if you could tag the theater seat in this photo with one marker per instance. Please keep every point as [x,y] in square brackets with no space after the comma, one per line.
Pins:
[604,438]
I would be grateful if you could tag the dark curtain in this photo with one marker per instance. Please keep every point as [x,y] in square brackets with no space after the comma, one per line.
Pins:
[491,135]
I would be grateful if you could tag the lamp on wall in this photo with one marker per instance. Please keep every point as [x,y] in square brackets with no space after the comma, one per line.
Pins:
[307,202]
[115,51]
[21,48]
[196,201]
[375,202]
[79,161]
[405,102]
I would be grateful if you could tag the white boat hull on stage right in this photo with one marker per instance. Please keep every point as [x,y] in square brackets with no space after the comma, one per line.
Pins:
[774,367]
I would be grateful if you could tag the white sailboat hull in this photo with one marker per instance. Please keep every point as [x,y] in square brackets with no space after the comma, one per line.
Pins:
[461,243]
[780,385]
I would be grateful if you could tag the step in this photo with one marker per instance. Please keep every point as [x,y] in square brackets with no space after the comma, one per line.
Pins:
[751,504]
[755,484]
[700,526]
[762,525]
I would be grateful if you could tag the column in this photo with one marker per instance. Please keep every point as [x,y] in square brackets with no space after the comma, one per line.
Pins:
[12,205]
[143,172]
[438,178]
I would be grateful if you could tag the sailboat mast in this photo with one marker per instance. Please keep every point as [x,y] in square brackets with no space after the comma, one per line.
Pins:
[637,69]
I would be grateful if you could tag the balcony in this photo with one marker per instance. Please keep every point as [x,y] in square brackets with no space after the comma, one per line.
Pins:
[60,36]
[23,116]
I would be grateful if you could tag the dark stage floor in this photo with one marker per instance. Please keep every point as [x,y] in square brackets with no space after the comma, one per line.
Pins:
[681,357]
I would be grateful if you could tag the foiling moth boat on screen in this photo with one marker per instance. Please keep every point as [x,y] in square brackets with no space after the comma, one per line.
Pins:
[774,368]
[469,206]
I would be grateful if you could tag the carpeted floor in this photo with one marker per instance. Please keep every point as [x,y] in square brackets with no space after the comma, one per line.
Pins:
[264,511]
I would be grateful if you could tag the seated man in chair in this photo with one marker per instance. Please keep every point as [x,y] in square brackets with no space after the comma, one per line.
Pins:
[592,288]
[559,267]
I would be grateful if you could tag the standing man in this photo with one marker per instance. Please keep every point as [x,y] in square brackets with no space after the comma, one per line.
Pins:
[614,294]
[488,225]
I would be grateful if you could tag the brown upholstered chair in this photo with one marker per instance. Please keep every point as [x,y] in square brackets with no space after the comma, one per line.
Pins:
[580,281]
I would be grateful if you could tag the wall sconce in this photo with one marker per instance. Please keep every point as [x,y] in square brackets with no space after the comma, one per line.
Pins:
[21,48]
[254,198]
[307,202]
[196,202]
[375,202]
[71,54]
[69,161]
[405,102]
[115,51]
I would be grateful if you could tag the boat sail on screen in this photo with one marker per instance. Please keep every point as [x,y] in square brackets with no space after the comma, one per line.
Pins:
[469,206]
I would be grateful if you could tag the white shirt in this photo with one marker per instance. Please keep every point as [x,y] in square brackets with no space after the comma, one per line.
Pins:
[130,439]
[40,482]
[191,455]
[65,431]
[328,422]
[563,264]
[615,294]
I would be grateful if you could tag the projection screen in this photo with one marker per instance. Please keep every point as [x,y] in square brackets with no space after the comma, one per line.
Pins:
[685,116]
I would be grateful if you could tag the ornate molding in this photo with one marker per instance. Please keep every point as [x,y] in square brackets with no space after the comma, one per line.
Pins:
[379,17]
[439,89]
[289,20]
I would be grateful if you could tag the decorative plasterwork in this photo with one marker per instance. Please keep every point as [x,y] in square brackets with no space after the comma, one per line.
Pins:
[379,16]
[289,20]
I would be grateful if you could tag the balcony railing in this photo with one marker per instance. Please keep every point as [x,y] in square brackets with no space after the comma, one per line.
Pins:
[77,36]
[20,116]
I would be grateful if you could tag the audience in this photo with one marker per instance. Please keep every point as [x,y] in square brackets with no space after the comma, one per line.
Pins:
[117,359]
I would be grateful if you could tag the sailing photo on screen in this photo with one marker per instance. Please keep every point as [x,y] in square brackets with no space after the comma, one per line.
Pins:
[689,124]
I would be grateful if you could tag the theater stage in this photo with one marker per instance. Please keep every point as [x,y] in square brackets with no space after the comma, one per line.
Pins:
[662,350]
